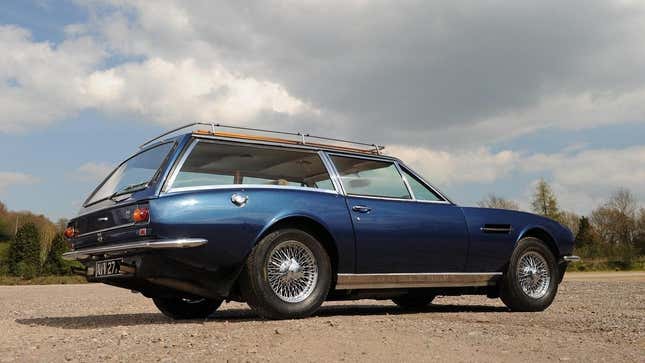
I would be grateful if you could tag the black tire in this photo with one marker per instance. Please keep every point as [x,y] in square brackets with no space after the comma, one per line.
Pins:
[178,308]
[511,291]
[413,301]
[259,294]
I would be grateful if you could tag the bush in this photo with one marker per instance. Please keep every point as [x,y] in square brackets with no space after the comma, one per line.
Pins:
[24,252]
[54,264]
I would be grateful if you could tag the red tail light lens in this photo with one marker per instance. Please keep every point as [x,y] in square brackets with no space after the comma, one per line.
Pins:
[70,232]
[141,215]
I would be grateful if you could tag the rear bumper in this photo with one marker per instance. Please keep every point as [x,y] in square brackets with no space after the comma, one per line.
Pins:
[130,247]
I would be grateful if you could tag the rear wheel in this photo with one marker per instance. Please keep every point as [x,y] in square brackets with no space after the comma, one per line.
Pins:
[413,301]
[287,275]
[180,308]
[531,280]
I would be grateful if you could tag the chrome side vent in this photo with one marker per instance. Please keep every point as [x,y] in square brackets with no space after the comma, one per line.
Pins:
[497,228]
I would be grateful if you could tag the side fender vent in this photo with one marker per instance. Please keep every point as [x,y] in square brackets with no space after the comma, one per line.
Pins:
[497,228]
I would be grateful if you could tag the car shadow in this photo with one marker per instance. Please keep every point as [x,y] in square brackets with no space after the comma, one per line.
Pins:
[241,316]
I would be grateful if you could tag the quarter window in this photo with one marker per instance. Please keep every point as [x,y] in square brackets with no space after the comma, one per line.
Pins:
[421,192]
[370,177]
[215,164]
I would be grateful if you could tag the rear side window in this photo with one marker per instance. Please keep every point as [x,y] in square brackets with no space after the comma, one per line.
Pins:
[372,178]
[421,192]
[214,164]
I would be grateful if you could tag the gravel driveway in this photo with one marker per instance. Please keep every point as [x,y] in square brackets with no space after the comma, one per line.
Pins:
[597,317]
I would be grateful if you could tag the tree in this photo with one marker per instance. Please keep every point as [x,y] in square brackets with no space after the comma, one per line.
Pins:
[617,224]
[54,264]
[570,220]
[544,201]
[493,201]
[24,252]
[587,239]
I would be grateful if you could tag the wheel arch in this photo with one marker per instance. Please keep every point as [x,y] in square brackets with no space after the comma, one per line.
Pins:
[543,235]
[312,226]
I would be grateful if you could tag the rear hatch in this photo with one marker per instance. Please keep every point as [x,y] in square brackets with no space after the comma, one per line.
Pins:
[108,213]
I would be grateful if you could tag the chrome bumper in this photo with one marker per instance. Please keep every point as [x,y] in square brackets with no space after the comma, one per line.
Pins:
[571,258]
[120,249]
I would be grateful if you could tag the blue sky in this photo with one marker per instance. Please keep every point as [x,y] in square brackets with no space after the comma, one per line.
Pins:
[477,106]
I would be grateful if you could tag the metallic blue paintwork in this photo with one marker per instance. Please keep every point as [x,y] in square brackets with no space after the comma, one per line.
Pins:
[396,236]
[232,231]
[491,251]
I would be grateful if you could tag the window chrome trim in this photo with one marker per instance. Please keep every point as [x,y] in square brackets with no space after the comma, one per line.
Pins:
[405,181]
[426,183]
[333,173]
[399,167]
[248,186]
[180,163]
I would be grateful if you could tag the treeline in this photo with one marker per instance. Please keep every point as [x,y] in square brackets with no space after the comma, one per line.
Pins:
[31,245]
[614,231]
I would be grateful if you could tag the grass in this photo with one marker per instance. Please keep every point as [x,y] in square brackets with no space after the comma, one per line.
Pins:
[606,264]
[43,280]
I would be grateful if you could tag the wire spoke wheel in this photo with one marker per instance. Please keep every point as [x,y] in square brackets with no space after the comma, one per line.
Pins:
[292,271]
[533,274]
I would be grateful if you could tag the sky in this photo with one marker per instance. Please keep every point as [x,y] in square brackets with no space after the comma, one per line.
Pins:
[480,97]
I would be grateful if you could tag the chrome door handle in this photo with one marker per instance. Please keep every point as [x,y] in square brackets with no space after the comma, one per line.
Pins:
[239,199]
[361,209]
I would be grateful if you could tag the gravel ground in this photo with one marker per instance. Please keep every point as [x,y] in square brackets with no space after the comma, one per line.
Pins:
[594,318]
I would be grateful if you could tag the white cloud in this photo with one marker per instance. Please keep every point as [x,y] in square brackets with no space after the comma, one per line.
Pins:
[8,179]
[445,168]
[93,171]
[580,178]
[41,83]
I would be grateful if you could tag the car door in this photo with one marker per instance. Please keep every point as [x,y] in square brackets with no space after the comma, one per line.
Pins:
[396,232]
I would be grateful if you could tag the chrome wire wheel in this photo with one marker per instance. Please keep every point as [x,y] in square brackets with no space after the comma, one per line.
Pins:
[292,271]
[533,274]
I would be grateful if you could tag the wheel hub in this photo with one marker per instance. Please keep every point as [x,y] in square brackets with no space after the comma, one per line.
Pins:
[533,274]
[292,271]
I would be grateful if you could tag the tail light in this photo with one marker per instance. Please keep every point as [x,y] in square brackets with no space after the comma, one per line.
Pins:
[140,215]
[70,232]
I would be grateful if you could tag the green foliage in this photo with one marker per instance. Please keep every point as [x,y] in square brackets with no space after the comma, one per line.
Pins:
[54,264]
[24,252]
[544,201]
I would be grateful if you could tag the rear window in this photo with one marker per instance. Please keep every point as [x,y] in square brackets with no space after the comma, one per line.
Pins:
[134,174]
[215,164]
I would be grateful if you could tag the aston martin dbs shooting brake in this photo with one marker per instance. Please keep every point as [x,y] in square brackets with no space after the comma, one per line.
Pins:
[286,221]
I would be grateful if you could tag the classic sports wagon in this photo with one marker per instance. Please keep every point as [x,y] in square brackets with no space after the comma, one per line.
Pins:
[287,223]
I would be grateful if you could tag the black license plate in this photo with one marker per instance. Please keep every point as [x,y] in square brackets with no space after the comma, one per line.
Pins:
[107,268]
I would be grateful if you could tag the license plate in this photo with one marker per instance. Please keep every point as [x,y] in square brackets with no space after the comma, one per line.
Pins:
[107,268]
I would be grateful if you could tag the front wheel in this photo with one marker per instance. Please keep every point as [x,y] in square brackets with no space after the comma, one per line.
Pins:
[180,308]
[287,275]
[531,280]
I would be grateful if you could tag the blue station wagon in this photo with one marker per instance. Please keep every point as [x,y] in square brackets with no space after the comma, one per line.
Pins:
[286,221]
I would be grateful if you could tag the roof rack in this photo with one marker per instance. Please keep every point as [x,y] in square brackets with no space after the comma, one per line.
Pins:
[301,138]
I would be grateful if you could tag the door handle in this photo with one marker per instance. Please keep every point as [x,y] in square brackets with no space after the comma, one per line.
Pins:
[361,209]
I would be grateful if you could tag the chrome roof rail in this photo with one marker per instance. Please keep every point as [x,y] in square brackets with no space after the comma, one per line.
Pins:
[301,137]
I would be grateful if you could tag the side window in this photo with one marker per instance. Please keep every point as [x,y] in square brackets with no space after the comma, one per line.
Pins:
[421,192]
[214,164]
[370,177]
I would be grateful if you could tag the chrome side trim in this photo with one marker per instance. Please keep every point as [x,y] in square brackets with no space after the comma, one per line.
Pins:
[571,258]
[132,246]
[496,230]
[248,186]
[409,280]
[106,229]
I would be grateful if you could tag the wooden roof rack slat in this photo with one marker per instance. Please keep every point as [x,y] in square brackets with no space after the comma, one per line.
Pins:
[301,138]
